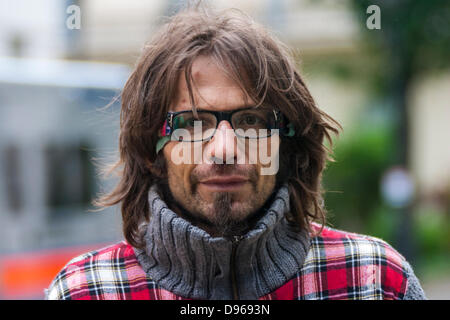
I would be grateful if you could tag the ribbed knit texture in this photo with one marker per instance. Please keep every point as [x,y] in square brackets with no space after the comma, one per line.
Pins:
[187,261]
[414,290]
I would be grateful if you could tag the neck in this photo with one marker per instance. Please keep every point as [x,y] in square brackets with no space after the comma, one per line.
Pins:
[187,260]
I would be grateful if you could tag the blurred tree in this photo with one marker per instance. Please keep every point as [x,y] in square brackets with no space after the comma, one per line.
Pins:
[415,35]
[353,196]
[414,38]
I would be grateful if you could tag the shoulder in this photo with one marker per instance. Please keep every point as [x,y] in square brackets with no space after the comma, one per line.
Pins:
[120,250]
[337,243]
[364,267]
[97,274]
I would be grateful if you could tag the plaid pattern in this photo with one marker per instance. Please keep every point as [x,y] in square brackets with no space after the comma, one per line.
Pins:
[339,265]
[111,273]
[343,265]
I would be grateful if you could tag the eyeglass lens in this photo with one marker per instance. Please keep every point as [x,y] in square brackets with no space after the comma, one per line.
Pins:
[248,123]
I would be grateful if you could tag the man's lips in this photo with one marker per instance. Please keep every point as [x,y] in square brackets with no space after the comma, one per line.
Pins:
[224,179]
[224,183]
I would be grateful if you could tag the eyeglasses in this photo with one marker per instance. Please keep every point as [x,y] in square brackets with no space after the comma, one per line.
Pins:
[248,123]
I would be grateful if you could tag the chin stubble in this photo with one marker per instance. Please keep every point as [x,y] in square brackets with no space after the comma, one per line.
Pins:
[224,222]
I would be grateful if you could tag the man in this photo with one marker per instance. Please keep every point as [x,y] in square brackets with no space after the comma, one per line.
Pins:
[221,155]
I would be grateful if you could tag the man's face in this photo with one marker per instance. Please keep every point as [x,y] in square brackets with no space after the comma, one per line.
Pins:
[220,198]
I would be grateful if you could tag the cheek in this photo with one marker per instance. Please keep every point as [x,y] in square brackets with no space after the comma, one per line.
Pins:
[265,183]
[178,174]
[258,151]
[268,163]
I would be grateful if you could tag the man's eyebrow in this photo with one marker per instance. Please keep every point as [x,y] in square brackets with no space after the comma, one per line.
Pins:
[209,108]
[245,106]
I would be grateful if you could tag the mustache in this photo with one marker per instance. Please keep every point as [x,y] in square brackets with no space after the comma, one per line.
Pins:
[205,172]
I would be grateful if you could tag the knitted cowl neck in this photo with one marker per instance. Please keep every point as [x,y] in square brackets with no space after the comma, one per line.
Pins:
[189,262]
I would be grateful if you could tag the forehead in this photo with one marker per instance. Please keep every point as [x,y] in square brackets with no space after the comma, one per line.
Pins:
[213,89]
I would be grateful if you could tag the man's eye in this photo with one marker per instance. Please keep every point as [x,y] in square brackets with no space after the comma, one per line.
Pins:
[185,122]
[192,123]
[251,120]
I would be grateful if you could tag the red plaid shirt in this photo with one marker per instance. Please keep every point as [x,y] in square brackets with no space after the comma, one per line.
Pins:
[339,265]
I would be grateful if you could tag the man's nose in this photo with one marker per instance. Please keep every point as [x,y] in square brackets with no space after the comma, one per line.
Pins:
[223,144]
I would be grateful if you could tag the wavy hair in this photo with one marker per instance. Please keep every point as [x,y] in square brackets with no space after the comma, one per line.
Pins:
[266,72]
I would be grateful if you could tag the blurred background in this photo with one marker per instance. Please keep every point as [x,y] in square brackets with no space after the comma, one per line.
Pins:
[383,72]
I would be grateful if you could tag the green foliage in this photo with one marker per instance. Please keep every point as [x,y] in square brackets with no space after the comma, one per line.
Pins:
[383,223]
[416,33]
[432,228]
[352,182]
[414,39]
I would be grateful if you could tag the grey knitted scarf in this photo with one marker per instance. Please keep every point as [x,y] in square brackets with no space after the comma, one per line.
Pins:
[187,261]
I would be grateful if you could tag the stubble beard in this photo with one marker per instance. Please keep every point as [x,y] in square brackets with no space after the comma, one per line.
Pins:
[225,216]
[226,222]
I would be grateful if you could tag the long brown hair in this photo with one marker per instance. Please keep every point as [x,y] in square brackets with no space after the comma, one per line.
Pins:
[266,72]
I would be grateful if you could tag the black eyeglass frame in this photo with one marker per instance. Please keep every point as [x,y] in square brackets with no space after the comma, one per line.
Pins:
[225,115]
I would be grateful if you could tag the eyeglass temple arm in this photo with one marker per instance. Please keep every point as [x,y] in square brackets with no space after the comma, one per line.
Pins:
[278,118]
